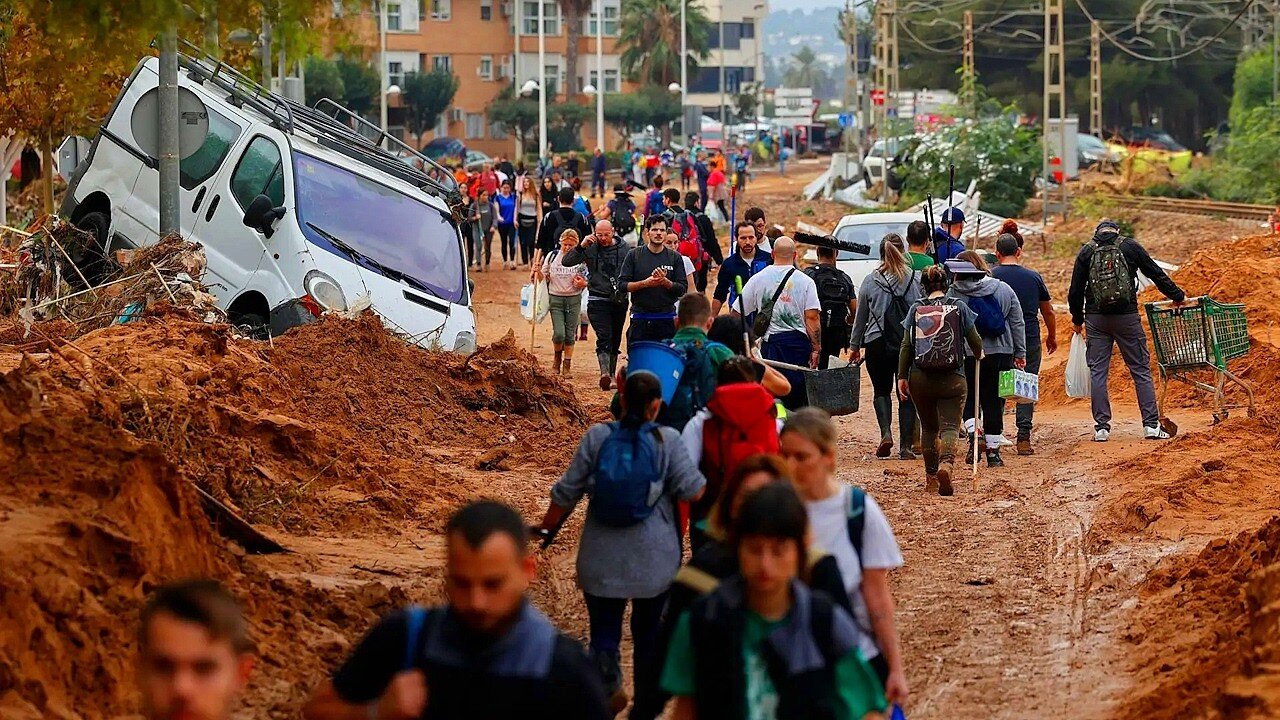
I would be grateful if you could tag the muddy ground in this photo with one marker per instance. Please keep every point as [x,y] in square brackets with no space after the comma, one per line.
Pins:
[1134,579]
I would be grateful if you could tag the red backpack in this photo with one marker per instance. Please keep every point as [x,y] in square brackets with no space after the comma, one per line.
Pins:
[685,226]
[743,423]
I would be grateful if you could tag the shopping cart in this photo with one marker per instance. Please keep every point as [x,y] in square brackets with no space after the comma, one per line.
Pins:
[1200,335]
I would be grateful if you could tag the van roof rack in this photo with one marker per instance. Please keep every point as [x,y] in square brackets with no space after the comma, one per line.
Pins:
[333,125]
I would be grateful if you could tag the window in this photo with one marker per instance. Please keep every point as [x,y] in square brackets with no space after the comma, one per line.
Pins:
[395,73]
[442,125]
[441,9]
[610,19]
[748,29]
[486,67]
[204,162]
[486,9]
[442,62]
[475,126]
[552,73]
[733,34]
[551,17]
[610,80]
[497,130]
[705,80]
[259,173]
[393,16]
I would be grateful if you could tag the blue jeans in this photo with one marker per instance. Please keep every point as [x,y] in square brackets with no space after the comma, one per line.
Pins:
[1025,412]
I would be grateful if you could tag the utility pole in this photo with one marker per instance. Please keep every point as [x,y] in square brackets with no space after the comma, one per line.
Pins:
[542,81]
[1055,100]
[383,74]
[167,132]
[851,77]
[1095,81]
[969,73]
[724,114]
[886,81]
[684,76]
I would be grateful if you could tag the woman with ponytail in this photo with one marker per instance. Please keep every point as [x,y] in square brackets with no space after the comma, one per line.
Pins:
[883,301]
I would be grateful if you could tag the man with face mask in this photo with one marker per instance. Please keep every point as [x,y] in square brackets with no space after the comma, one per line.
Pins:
[196,654]
[488,653]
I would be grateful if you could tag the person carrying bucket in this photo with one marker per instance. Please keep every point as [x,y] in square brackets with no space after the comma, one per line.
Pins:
[931,373]
[634,471]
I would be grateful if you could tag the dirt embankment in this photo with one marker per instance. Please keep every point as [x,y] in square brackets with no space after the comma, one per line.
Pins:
[339,427]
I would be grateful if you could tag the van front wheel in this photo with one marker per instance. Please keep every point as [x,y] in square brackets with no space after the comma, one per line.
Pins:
[252,324]
[90,256]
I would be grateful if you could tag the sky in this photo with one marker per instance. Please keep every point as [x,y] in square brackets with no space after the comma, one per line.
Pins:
[803,4]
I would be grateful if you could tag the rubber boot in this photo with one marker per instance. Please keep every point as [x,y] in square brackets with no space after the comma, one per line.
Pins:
[994,459]
[568,362]
[946,471]
[559,359]
[884,415]
[906,430]
[968,456]
[606,376]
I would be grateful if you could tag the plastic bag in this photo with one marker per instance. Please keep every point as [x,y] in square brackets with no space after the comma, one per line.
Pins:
[582,316]
[1077,369]
[532,311]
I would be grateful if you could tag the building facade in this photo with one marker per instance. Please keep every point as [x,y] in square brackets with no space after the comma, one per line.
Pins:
[736,60]
[492,45]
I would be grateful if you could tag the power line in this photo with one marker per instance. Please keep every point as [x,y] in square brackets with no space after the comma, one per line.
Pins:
[1171,58]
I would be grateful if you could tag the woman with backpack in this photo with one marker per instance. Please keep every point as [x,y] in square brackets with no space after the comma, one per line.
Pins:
[850,525]
[931,371]
[633,471]
[998,318]
[565,284]
[762,644]
[884,299]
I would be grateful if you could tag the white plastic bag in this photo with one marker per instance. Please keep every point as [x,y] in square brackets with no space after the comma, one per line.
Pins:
[532,311]
[582,316]
[1077,369]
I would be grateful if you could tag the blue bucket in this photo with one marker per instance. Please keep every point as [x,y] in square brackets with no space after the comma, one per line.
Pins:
[661,360]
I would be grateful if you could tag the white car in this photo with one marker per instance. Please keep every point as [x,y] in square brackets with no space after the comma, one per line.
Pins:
[873,165]
[297,212]
[866,230]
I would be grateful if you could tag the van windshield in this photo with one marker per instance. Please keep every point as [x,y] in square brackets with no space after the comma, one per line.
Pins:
[870,235]
[394,234]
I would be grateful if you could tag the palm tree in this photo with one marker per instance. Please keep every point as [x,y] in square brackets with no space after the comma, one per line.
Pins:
[573,12]
[650,39]
[805,70]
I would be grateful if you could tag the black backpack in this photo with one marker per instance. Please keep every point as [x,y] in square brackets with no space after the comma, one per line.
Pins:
[835,291]
[623,216]
[891,328]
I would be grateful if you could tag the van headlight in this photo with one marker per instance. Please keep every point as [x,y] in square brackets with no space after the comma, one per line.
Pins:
[325,290]
[465,343]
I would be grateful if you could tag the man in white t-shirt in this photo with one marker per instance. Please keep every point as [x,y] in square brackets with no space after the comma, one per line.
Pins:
[795,326]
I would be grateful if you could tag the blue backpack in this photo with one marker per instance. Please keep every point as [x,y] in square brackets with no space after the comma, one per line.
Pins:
[990,317]
[629,475]
[697,383]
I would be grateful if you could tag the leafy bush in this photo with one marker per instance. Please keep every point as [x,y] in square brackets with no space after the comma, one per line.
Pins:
[1002,157]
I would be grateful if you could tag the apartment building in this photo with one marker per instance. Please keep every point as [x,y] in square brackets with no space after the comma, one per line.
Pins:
[736,44]
[491,45]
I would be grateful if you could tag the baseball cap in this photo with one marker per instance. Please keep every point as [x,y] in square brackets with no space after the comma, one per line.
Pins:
[952,216]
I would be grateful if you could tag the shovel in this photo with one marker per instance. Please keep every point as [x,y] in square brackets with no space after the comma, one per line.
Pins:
[977,415]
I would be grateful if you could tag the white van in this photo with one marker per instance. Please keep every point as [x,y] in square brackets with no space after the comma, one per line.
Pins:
[298,211]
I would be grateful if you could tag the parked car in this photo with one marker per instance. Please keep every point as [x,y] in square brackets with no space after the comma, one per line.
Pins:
[866,229]
[1092,152]
[875,163]
[298,213]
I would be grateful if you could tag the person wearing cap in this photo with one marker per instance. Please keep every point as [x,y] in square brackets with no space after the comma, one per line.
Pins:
[946,237]
[1117,324]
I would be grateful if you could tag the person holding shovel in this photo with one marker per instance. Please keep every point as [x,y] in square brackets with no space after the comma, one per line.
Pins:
[931,373]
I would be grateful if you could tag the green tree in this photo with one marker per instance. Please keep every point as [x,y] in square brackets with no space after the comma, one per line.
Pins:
[426,95]
[650,39]
[805,71]
[324,80]
[573,11]
[564,125]
[1002,157]
[360,83]
[650,105]
[744,103]
[1253,78]
[518,114]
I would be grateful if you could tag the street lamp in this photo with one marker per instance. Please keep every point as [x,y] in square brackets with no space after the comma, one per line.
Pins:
[600,73]
[529,88]
[684,69]
[675,88]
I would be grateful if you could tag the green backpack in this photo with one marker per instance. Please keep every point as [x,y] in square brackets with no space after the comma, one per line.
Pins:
[1110,282]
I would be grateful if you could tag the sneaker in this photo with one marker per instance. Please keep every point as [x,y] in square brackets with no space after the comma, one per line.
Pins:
[994,459]
[1101,435]
[1155,433]
[906,455]
[1024,447]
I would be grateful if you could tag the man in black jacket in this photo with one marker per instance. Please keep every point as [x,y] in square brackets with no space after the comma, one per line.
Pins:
[559,220]
[836,293]
[604,255]
[1106,311]
[487,654]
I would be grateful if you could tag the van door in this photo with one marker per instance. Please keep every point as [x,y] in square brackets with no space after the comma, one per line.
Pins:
[236,252]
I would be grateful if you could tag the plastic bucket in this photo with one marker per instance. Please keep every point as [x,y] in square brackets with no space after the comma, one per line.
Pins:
[661,360]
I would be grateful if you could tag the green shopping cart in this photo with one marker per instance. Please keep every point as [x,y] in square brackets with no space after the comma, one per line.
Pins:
[1201,335]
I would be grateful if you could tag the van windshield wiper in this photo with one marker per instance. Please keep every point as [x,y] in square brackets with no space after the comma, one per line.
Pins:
[360,258]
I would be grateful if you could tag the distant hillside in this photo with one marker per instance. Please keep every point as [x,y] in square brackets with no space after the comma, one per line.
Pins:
[786,31]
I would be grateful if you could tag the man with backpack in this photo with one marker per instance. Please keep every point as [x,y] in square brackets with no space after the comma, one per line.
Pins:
[559,220]
[654,275]
[654,202]
[1033,296]
[946,238]
[633,471]
[788,317]
[607,299]
[836,295]
[488,653]
[707,240]
[702,360]
[622,212]
[688,234]
[1104,306]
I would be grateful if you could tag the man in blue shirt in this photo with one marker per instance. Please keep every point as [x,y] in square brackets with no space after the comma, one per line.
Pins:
[946,238]
[597,173]
[1033,296]
[746,261]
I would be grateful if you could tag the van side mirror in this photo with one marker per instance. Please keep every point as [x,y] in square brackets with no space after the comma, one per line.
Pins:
[261,214]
